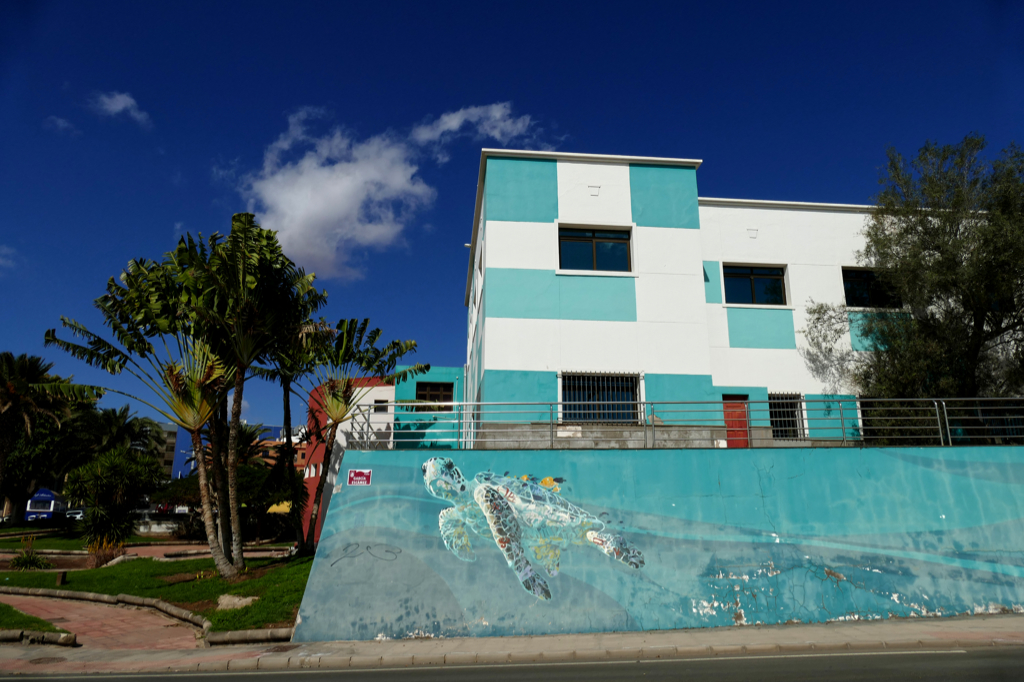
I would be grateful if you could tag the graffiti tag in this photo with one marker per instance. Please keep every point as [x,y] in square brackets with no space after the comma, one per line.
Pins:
[379,551]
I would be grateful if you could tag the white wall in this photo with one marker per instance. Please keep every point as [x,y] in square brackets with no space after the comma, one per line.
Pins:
[579,345]
[813,245]
[594,193]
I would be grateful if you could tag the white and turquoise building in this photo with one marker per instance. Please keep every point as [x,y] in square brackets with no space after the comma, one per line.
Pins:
[686,298]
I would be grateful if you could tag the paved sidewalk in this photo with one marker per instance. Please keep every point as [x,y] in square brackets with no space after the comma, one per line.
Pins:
[200,551]
[914,634]
[106,627]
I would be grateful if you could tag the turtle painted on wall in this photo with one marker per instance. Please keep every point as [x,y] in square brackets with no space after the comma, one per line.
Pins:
[523,518]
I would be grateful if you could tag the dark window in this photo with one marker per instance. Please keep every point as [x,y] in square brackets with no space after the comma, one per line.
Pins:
[380,406]
[865,290]
[761,286]
[593,250]
[600,398]
[785,415]
[435,392]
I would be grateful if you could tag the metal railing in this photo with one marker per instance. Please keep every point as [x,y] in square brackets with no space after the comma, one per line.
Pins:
[785,421]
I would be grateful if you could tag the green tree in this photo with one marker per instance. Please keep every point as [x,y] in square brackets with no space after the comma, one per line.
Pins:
[343,378]
[947,237]
[28,393]
[180,370]
[45,458]
[110,428]
[112,485]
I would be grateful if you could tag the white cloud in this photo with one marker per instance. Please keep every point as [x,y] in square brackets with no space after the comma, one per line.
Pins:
[6,256]
[116,103]
[231,402]
[493,120]
[330,196]
[60,125]
[178,227]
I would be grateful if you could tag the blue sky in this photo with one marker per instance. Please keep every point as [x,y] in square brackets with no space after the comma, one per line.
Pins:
[355,129]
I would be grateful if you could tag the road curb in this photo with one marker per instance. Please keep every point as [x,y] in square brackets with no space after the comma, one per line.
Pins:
[623,655]
[157,604]
[249,636]
[36,637]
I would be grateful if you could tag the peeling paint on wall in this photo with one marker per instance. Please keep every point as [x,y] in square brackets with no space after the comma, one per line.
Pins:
[747,537]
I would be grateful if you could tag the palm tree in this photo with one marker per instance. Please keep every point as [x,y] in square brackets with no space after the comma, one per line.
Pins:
[297,352]
[29,392]
[248,293]
[342,380]
[111,428]
[187,380]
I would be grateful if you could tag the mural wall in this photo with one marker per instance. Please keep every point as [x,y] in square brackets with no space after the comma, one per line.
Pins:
[473,543]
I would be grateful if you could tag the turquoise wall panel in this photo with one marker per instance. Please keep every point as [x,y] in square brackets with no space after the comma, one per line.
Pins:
[859,340]
[513,386]
[712,282]
[687,538]
[541,294]
[415,429]
[521,190]
[407,389]
[505,386]
[528,294]
[824,418]
[610,299]
[664,196]
[761,328]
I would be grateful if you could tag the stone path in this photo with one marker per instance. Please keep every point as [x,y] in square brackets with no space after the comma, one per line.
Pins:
[100,626]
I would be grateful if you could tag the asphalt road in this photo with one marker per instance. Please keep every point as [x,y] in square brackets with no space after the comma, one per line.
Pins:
[976,664]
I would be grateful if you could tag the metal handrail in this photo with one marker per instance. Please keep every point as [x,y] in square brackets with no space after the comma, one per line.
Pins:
[840,422]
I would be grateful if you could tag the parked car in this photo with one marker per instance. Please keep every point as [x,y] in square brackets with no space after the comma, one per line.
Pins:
[75,514]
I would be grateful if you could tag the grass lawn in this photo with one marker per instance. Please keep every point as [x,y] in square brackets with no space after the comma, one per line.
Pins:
[193,584]
[13,619]
[71,540]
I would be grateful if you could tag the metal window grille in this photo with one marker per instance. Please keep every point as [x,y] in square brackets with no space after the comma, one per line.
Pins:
[786,415]
[600,398]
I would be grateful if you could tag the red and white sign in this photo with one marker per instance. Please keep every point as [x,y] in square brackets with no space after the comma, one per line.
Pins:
[359,476]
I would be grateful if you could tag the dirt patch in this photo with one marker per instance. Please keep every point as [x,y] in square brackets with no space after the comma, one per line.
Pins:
[178,578]
[253,573]
[61,562]
[196,606]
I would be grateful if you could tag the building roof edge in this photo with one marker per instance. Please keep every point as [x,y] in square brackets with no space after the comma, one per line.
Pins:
[793,205]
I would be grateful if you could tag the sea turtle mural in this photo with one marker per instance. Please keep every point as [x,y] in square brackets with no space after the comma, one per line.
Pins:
[521,516]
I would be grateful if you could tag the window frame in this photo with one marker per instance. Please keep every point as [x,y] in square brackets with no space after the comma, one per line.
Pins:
[627,230]
[844,269]
[751,276]
[427,391]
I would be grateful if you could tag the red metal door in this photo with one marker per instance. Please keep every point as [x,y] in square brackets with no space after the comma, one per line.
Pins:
[736,432]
